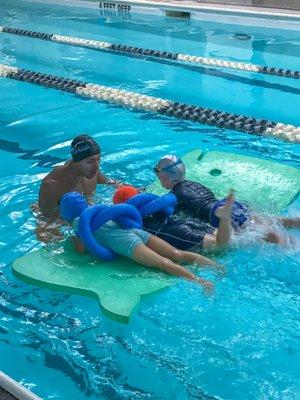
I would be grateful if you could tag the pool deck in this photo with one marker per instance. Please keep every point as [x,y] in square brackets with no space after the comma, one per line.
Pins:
[12,390]
[4,395]
[291,7]
[265,4]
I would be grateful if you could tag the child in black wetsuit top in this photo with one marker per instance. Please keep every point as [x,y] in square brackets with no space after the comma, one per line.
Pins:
[194,199]
[198,201]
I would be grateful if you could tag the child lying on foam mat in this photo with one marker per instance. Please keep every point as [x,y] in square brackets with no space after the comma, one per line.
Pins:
[138,244]
[184,233]
[200,203]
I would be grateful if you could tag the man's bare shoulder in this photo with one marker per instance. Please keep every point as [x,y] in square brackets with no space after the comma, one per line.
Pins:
[55,175]
[54,183]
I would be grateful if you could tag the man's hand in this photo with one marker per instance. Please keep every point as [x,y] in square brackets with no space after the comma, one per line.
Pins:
[115,183]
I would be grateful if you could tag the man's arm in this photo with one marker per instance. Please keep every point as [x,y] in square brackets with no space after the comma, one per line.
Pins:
[78,244]
[49,199]
[102,179]
[47,231]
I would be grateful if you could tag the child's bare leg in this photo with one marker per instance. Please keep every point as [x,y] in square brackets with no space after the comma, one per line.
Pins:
[166,250]
[270,236]
[146,256]
[289,222]
[286,222]
[223,234]
[274,237]
[277,238]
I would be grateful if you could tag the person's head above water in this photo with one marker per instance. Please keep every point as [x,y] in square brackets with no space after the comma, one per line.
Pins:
[85,154]
[170,169]
[83,146]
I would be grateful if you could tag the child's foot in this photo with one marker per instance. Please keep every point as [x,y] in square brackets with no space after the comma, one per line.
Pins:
[290,222]
[207,286]
[296,223]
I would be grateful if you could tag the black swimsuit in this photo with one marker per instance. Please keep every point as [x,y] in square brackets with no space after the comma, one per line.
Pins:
[193,199]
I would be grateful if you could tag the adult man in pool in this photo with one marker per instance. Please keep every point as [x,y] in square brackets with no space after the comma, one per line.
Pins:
[80,174]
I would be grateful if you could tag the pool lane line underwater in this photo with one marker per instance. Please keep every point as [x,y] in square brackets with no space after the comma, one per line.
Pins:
[214,72]
[153,54]
[165,107]
[41,160]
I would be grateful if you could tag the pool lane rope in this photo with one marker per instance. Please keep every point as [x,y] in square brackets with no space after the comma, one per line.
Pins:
[137,51]
[137,101]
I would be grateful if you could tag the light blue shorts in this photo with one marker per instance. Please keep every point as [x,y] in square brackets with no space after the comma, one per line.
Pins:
[121,241]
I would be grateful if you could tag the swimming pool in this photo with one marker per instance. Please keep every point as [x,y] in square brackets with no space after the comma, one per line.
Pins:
[240,344]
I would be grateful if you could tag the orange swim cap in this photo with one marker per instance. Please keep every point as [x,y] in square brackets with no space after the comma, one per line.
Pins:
[124,193]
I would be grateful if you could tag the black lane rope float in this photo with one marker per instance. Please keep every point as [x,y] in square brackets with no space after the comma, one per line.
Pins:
[138,51]
[170,108]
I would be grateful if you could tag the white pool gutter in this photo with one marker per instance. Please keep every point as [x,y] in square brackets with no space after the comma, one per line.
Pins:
[219,13]
[15,389]
[216,8]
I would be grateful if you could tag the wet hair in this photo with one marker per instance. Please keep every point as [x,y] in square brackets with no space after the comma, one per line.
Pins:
[173,166]
[83,146]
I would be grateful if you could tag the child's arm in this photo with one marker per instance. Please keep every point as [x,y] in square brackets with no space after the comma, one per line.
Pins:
[224,213]
[78,244]
[151,258]
[220,239]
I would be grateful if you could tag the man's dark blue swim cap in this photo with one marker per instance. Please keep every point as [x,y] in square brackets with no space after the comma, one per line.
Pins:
[83,146]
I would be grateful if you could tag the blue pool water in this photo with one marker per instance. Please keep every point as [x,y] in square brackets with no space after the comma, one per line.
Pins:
[240,344]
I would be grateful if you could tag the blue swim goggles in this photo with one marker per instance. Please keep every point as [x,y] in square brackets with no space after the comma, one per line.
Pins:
[168,168]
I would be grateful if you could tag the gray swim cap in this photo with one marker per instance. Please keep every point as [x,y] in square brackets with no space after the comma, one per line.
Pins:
[171,165]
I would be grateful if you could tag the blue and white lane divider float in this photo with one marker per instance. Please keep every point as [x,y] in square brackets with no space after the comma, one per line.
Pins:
[137,101]
[138,51]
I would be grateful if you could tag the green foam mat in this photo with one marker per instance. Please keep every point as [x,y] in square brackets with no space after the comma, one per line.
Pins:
[118,285]
[265,185]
